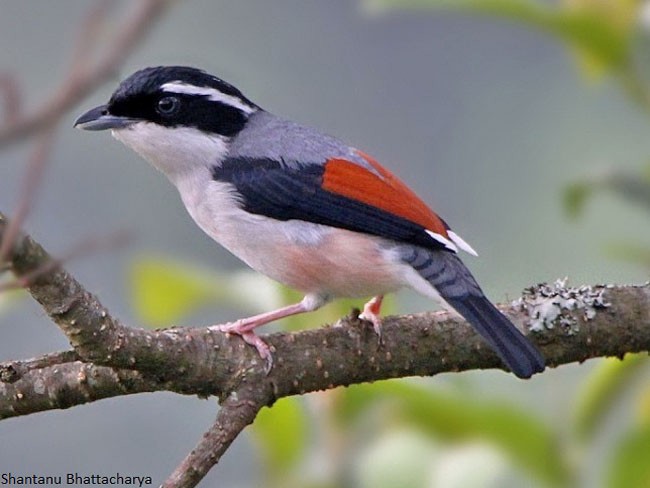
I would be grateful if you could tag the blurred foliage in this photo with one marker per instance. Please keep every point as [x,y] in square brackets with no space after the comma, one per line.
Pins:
[452,418]
[10,294]
[281,434]
[163,291]
[598,32]
[602,390]
[632,253]
[402,458]
[8,298]
[634,187]
[631,467]
[402,433]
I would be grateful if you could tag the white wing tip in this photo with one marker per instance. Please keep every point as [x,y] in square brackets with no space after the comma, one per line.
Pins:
[460,242]
[442,240]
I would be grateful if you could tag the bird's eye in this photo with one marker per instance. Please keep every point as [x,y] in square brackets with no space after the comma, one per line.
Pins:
[168,105]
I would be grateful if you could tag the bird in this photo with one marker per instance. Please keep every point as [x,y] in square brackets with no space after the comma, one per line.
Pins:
[299,206]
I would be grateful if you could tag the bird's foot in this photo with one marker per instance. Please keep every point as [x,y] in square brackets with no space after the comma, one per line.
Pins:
[371,314]
[247,333]
[245,328]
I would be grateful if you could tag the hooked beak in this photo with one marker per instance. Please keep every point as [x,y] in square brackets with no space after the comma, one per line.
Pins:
[99,119]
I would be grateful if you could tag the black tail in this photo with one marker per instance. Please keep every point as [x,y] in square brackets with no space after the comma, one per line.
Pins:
[453,281]
[521,356]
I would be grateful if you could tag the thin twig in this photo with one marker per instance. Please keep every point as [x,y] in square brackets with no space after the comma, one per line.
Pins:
[81,82]
[87,246]
[12,371]
[11,98]
[87,38]
[237,412]
[67,385]
[31,183]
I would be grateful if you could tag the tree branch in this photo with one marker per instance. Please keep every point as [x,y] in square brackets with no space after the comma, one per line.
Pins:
[236,413]
[570,324]
[12,371]
[67,385]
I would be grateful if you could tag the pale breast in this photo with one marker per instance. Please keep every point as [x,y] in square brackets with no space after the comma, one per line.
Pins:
[309,257]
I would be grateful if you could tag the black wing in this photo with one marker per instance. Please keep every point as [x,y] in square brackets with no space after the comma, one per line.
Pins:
[277,190]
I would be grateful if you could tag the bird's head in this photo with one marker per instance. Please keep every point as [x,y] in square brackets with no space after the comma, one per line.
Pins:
[175,117]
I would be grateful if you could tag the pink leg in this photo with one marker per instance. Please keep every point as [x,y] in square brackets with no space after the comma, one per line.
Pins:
[246,327]
[371,312]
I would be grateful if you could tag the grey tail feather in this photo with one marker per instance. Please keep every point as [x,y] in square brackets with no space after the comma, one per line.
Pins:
[454,282]
[519,354]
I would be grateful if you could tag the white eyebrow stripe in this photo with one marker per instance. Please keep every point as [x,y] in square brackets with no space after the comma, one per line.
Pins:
[211,93]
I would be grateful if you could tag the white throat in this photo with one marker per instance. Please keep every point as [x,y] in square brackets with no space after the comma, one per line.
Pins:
[176,151]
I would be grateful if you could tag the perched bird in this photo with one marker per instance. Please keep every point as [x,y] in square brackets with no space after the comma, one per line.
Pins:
[299,206]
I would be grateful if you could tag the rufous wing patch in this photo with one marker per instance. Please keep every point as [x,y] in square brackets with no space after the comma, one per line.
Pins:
[383,190]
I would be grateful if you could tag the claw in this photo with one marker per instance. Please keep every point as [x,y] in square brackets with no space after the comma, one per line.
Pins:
[251,338]
[246,327]
[371,314]
[262,347]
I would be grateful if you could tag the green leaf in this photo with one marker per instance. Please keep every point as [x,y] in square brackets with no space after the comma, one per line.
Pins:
[281,434]
[602,390]
[575,196]
[601,42]
[631,185]
[629,252]
[10,297]
[165,291]
[400,458]
[644,407]
[454,417]
[630,466]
